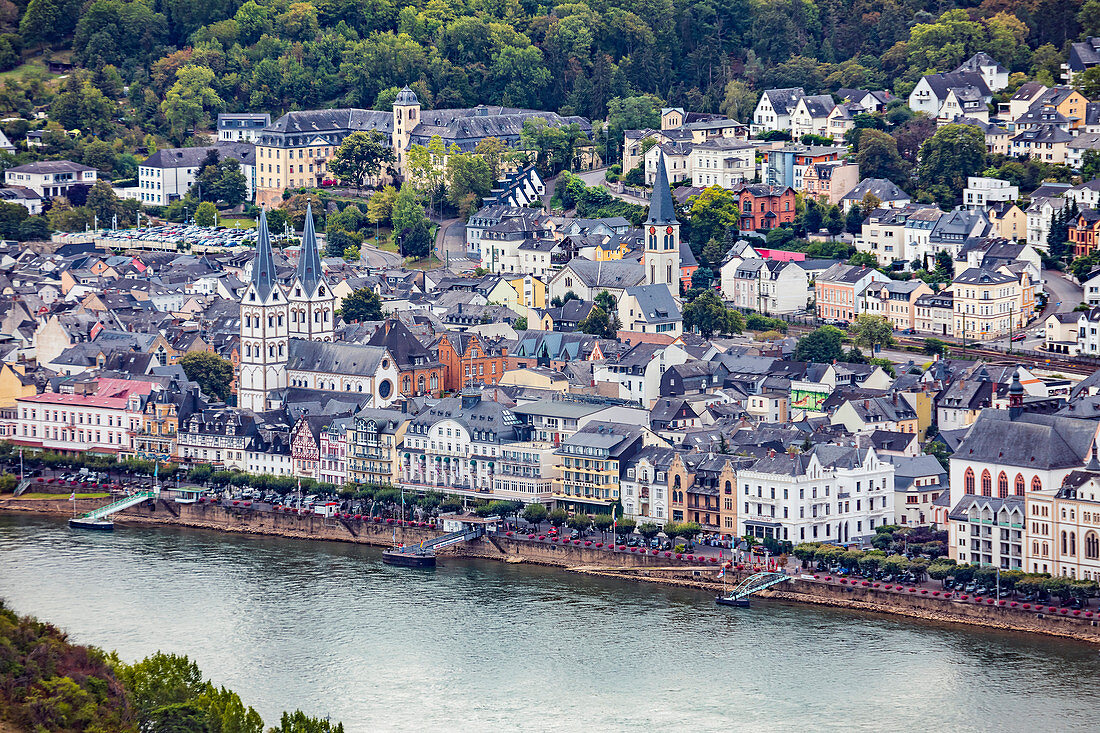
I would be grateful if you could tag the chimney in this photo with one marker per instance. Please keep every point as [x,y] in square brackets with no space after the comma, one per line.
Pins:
[771,453]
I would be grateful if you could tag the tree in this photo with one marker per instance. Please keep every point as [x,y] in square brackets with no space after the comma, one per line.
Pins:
[603,522]
[206,215]
[535,513]
[469,179]
[188,102]
[105,204]
[299,722]
[380,205]
[739,101]
[579,522]
[416,240]
[1088,82]
[878,157]
[853,221]
[936,347]
[212,373]
[600,323]
[822,345]
[948,158]
[492,150]
[709,315]
[520,324]
[361,156]
[425,167]
[648,530]
[870,330]
[606,301]
[558,517]
[160,680]
[713,211]
[362,305]
[406,211]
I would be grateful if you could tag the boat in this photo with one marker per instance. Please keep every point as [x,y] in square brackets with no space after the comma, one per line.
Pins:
[102,525]
[735,602]
[408,558]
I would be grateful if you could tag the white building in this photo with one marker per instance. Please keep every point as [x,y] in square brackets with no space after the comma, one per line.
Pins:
[241,127]
[168,174]
[980,192]
[774,110]
[50,178]
[724,162]
[831,494]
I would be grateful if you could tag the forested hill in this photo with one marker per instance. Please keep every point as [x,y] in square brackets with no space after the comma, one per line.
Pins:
[579,57]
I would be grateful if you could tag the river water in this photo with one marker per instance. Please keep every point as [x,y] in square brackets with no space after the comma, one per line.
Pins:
[485,646]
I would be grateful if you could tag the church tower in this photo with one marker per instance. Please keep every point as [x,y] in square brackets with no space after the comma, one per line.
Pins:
[264,316]
[312,304]
[662,235]
[406,116]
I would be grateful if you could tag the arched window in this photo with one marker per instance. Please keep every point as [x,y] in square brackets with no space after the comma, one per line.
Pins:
[420,383]
[968,481]
[1064,543]
[676,482]
[435,382]
[729,488]
[1036,484]
[987,484]
[1073,543]
[1020,485]
[1092,546]
[1002,485]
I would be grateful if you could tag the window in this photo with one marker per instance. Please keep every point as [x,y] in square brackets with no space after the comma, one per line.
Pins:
[1019,485]
[1036,484]
[1002,485]
[987,484]
[968,481]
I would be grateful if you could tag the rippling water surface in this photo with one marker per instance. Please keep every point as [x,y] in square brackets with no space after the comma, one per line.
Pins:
[487,646]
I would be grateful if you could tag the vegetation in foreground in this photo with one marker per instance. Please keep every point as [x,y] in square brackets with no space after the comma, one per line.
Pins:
[49,684]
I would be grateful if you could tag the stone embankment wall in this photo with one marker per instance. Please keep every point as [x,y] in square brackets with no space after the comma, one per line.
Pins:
[588,560]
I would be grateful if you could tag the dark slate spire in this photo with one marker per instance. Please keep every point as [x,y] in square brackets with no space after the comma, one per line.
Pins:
[661,210]
[309,260]
[263,267]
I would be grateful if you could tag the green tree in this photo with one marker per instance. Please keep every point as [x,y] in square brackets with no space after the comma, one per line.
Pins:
[600,323]
[406,211]
[416,241]
[603,522]
[190,99]
[361,156]
[160,680]
[520,324]
[361,305]
[579,522]
[709,315]
[948,158]
[870,330]
[469,179]
[380,206]
[212,373]
[535,513]
[105,204]
[606,301]
[206,215]
[558,517]
[878,157]
[713,211]
[299,722]
[822,345]
[648,530]
[739,101]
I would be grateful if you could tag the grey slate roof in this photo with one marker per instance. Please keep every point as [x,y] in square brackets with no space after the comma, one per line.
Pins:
[263,269]
[1032,441]
[309,259]
[881,188]
[334,358]
[661,210]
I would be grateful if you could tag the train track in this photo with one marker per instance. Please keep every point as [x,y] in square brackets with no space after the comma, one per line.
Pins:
[1052,362]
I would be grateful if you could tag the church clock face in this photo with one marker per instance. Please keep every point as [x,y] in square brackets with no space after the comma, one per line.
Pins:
[668,231]
[653,230]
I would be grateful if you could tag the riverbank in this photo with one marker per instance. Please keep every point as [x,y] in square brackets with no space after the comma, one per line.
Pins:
[592,560]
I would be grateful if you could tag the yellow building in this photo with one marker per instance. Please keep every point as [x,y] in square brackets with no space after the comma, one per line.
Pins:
[14,384]
[530,293]
[156,439]
[988,304]
[374,441]
[536,378]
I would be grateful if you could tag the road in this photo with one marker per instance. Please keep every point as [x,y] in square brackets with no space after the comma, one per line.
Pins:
[450,245]
[371,256]
[1064,296]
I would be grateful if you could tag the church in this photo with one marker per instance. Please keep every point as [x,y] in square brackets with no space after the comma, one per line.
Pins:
[288,336]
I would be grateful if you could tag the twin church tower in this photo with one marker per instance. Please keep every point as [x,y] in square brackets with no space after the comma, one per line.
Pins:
[273,317]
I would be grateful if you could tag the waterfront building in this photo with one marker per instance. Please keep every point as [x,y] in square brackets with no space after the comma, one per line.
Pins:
[918,483]
[455,445]
[99,417]
[525,472]
[332,463]
[553,420]
[374,440]
[1071,515]
[217,436]
[834,494]
[1012,453]
[592,463]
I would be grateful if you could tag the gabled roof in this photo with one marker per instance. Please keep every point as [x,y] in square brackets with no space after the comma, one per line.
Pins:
[1033,441]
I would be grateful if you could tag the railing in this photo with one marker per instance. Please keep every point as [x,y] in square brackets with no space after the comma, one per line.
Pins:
[118,506]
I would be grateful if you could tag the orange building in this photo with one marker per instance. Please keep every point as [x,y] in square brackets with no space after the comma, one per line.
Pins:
[419,371]
[1084,233]
[467,358]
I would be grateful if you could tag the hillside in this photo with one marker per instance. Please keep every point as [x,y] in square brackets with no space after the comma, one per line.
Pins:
[162,67]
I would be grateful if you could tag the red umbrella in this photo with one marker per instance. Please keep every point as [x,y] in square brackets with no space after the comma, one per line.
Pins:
[668,554]
[599,544]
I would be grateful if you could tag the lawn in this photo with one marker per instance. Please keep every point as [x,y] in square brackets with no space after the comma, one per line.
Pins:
[430,263]
[225,221]
[31,67]
[43,495]
[384,243]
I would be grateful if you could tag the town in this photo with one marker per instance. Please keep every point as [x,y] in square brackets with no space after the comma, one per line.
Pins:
[782,299]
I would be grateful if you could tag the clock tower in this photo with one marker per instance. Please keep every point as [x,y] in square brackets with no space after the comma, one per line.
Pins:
[662,235]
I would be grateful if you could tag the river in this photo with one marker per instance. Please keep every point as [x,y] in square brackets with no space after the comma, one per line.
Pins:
[477,645]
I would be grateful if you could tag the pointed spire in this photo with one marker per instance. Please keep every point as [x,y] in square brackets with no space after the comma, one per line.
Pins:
[661,210]
[1093,464]
[263,266]
[309,260]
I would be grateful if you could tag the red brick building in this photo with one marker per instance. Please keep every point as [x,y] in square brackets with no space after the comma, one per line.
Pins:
[420,372]
[1084,233]
[468,359]
[765,207]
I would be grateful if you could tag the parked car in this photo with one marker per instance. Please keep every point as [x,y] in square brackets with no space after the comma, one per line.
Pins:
[1019,336]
